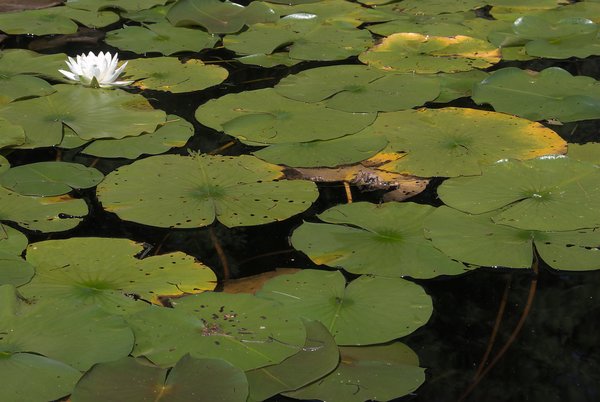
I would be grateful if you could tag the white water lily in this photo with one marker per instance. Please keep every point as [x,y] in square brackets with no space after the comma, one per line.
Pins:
[95,71]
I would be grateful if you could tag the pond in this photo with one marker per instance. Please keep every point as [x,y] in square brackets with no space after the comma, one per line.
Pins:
[321,200]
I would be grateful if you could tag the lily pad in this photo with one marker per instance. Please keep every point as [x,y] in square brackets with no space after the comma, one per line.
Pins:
[219,17]
[106,272]
[22,86]
[458,141]
[173,134]
[546,194]
[589,152]
[50,178]
[552,93]
[53,20]
[413,52]
[359,88]
[21,61]
[10,134]
[200,380]
[368,310]
[317,358]
[427,24]
[13,269]
[125,5]
[169,74]
[476,239]
[188,192]
[432,7]
[458,85]
[366,238]
[339,151]
[379,373]
[264,117]
[45,214]
[269,60]
[161,38]
[79,337]
[244,330]
[91,113]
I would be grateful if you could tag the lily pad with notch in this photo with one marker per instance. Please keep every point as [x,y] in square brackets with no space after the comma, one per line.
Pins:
[26,62]
[106,272]
[14,270]
[190,192]
[10,134]
[547,194]
[244,330]
[366,311]
[200,380]
[171,75]
[124,5]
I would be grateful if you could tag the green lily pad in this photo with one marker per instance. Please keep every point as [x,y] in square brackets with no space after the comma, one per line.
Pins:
[161,38]
[589,152]
[13,269]
[4,164]
[173,134]
[476,239]
[91,113]
[244,330]
[368,310]
[534,27]
[12,241]
[10,134]
[458,141]
[269,60]
[22,86]
[332,11]
[317,358]
[53,20]
[48,379]
[264,117]
[432,7]
[458,85]
[188,192]
[21,61]
[427,24]
[365,238]
[219,17]
[379,373]
[45,214]
[581,47]
[106,272]
[79,337]
[306,38]
[359,88]
[547,194]
[149,15]
[339,151]
[412,52]
[169,74]
[50,178]
[552,93]
[200,380]
[125,5]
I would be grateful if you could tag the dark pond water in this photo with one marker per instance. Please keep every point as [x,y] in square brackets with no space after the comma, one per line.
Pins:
[542,331]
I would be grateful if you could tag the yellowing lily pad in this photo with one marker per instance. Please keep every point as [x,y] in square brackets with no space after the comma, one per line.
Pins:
[244,330]
[190,192]
[171,75]
[458,142]
[106,272]
[552,93]
[545,194]
[264,117]
[368,310]
[365,238]
[413,52]
[161,37]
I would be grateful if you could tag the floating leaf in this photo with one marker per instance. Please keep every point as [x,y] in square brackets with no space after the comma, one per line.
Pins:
[50,178]
[22,61]
[22,86]
[219,16]
[552,193]
[173,134]
[18,5]
[80,337]
[187,192]
[317,358]
[169,74]
[455,142]
[412,52]
[10,134]
[380,373]
[91,113]
[200,380]
[269,60]
[366,238]
[126,5]
[589,152]
[46,214]
[427,24]
[105,271]
[458,85]
[368,310]
[476,239]
[244,330]
[432,7]
[359,88]
[264,117]
[161,38]
[13,269]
